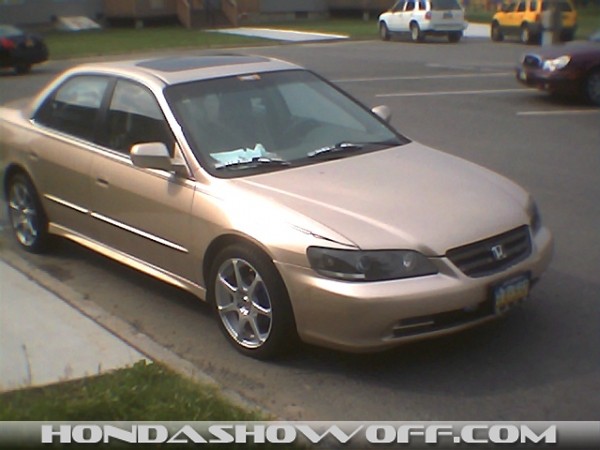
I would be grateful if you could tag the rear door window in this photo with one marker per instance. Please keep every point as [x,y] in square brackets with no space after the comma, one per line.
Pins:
[74,106]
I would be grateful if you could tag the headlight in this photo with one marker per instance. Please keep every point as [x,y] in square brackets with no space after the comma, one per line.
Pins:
[535,219]
[556,64]
[375,265]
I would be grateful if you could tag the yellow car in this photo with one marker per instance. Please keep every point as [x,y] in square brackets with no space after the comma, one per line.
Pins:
[525,19]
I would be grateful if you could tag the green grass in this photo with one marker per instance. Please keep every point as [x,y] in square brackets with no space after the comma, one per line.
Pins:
[113,41]
[144,392]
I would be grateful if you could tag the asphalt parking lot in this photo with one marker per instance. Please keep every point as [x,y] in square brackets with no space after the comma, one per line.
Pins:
[540,363]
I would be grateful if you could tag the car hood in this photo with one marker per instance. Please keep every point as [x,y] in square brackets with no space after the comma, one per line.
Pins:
[404,197]
[575,48]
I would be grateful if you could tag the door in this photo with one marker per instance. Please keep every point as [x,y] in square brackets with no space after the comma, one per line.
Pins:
[396,18]
[61,155]
[515,17]
[141,212]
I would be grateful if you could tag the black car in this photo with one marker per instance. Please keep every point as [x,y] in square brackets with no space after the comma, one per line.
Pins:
[572,68]
[20,50]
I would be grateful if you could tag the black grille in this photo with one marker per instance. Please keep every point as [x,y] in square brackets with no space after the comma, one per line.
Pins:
[494,254]
[532,61]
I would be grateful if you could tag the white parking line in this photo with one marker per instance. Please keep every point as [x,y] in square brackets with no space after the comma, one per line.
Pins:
[424,77]
[429,94]
[558,112]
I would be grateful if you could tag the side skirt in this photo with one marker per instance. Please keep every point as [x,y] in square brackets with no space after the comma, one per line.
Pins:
[128,260]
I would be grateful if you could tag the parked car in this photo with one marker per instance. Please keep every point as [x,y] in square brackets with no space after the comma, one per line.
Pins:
[20,50]
[267,191]
[525,19]
[423,17]
[572,69]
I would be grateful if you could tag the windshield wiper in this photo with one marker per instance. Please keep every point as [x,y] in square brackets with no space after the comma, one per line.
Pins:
[252,163]
[351,146]
[340,146]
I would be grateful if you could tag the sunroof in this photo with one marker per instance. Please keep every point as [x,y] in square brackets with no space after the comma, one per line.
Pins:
[176,64]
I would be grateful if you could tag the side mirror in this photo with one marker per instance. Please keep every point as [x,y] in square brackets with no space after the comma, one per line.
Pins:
[155,155]
[383,112]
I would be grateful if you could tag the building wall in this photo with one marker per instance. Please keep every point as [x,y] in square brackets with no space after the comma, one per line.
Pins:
[360,5]
[41,11]
[290,6]
[23,12]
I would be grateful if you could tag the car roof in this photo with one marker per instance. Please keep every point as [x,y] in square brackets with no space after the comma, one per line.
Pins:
[184,68]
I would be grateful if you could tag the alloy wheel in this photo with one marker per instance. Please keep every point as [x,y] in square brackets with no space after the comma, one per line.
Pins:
[26,217]
[243,303]
[593,87]
[525,34]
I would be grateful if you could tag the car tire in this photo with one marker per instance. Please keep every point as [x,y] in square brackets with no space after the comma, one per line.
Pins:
[26,214]
[251,303]
[496,32]
[525,34]
[592,87]
[22,68]
[454,36]
[415,32]
[384,32]
[567,36]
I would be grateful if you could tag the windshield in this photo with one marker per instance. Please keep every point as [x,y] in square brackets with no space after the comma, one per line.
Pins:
[272,121]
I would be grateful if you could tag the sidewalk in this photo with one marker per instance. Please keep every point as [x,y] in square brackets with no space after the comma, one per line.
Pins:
[44,340]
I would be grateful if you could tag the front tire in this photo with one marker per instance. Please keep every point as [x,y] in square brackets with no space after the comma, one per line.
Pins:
[26,214]
[384,32]
[592,87]
[496,33]
[251,302]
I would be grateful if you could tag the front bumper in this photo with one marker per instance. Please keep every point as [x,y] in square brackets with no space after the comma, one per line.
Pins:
[558,81]
[362,317]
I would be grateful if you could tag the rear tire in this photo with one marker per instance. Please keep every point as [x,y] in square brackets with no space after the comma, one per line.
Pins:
[592,87]
[26,214]
[23,68]
[415,33]
[454,36]
[525,34]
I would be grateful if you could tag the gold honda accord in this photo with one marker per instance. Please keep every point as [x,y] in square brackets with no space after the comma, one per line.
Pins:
[265,190]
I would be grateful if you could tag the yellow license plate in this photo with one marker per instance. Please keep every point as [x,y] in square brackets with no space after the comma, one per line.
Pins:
[510,293]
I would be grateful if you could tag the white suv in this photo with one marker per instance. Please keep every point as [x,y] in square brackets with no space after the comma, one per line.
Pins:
[422,17]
